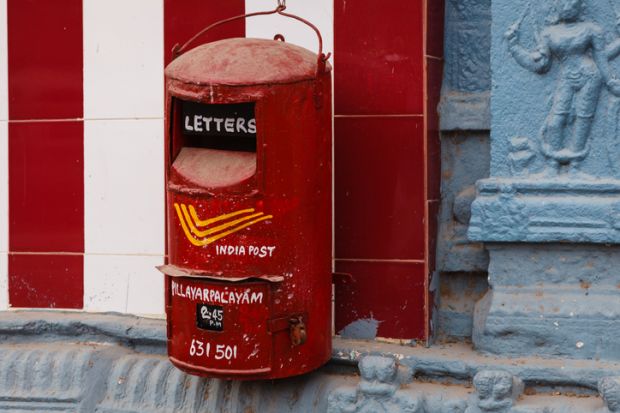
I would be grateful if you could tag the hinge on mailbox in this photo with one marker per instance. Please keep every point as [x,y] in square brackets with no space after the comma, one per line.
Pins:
[294,324]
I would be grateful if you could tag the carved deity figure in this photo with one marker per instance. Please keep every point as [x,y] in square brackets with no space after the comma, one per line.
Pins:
[580,49]
[496,392]
[378,391]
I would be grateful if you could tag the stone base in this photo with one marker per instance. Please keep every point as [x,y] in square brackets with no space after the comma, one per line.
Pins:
[551,300]
[546,209]
[465,111]
[107,363]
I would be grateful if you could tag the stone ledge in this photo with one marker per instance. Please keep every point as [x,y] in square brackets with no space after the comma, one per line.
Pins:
[450,362]
[129,330]
[81,362]
[540,209]
[458,362]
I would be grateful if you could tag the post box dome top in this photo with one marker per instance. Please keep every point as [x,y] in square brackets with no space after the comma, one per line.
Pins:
[241,61]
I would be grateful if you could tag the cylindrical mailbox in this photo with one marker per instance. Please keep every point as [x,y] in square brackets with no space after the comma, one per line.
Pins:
[248,149]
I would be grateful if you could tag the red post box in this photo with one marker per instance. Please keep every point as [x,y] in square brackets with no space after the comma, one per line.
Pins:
[248,149]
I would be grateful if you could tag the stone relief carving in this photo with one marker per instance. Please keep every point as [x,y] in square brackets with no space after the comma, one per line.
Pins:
[579,47]
[521,155]
[381,391]
[496,391]
[468,46]
[506,215]
[378,391]
[461,208]
[555,136]
[609,389]
[467,73]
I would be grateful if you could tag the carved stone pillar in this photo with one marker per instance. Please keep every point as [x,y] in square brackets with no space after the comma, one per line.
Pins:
[550,212]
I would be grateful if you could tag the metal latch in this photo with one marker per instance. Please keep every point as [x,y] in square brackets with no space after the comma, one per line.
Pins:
[295,326]
[297,331]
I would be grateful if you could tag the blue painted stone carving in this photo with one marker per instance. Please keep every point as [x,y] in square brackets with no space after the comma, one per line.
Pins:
[464,160]
[555,139]
[551,300]
[609,389]
[554,179]
[467,81]
[378,391]
[521,156]
[579,47]
[505,214]
[496,391]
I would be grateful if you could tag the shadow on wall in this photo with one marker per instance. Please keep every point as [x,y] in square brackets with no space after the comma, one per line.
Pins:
[458,294]
[462,264]
[465,123]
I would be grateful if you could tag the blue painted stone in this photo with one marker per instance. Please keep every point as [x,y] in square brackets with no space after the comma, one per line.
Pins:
[552,201]
[555,140]
[464,160]
[364,329]
[551,300]
[467,75]
[609,389]
[496,391]
[546,209]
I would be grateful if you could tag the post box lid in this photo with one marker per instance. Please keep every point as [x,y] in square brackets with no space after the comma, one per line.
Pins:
[242,61]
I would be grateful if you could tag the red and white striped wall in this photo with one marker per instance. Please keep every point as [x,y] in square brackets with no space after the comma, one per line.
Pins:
[81,147]
[4,159]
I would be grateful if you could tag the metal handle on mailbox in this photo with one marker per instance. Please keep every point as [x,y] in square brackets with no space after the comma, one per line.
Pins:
[322,58]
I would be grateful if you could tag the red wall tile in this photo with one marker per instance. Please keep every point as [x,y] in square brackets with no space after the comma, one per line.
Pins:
[387,167]
[378,56]
[379,188]
[183,19]
[389,292]
[46,281]
[45,59]
[46,190]
[46,174]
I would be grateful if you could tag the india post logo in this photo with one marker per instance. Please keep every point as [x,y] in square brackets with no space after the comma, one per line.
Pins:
[204,232]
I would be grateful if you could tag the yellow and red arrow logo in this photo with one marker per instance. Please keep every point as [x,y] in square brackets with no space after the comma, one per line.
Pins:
[204,232]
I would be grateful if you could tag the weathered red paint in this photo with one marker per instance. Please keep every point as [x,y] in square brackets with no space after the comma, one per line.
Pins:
[292,190]
[46,153]
[182,19]
[45,57]
[387,87]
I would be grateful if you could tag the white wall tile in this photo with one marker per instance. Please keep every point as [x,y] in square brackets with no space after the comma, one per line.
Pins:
[126,284]
[4,186]
[4,282]
[145,295]
[106,278]
[318,12]
[124,187]
[123,58]
[4,63]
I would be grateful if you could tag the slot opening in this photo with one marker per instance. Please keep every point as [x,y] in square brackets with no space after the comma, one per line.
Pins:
[214,145]
[229,127]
